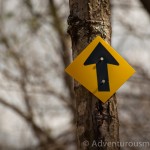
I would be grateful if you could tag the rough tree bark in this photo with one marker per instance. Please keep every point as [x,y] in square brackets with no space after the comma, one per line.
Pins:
[96,122]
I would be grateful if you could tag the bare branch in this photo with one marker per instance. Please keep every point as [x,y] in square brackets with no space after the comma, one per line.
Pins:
[62,38]
[14,108]
[146,4]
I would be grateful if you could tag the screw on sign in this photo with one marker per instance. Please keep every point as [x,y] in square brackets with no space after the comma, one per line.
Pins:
[100,69]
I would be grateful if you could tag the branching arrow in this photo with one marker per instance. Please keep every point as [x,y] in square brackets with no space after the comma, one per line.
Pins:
[101,57]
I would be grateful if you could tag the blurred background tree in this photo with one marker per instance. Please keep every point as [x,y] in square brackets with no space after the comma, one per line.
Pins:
[36,99]
[34,50]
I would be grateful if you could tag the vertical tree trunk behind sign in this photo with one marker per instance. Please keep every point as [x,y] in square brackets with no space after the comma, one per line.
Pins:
[96,122]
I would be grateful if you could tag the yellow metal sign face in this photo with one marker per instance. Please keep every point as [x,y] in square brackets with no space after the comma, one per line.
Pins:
[86,69]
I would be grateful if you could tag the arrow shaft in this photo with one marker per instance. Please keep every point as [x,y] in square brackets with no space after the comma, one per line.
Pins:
[102,76]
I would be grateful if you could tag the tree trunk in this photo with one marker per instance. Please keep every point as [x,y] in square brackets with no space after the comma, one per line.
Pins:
[96,122]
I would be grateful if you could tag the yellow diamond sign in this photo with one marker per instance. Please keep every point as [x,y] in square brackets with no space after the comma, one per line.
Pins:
[100,69]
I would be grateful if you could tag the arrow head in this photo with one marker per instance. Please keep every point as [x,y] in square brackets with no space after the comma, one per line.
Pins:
[99,54]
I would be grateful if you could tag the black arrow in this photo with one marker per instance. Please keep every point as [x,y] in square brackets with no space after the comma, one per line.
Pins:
[101,57]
